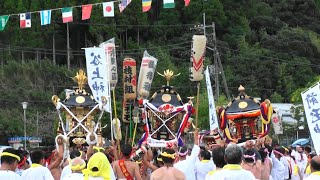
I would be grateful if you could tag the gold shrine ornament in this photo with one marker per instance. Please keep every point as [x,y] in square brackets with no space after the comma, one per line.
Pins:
[243,105]
[80,99]
[166,98]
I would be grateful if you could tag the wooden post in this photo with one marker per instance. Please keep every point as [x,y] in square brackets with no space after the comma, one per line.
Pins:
[197,106]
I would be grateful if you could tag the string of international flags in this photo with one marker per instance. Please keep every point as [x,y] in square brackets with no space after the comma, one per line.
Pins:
[67,15]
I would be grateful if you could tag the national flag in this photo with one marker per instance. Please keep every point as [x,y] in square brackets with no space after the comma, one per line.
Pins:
[186,2]
[67,15]
[86,11]
[108,9]
[146,5]
[124,4]
[45,17]
[168,3]
[25,20]
[3,21]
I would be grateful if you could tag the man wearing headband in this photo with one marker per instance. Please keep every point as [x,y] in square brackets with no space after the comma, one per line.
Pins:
[233,170]
[315,168]
[278,171]
[168,172]
[77,165]
[251,163]
[37,171]
[9,163]
[301,158]
[187,165]
[125,168]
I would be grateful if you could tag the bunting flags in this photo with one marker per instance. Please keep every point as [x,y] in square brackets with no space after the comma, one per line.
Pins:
[67,12]
[124,4]
[25,20]
[186,2]
[168,3]
[86,11]
[45,17]
[146,5]
[108,9]
[3,21]
[67,15]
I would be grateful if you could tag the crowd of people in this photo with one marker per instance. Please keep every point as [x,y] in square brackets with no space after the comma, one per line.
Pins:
[259,159]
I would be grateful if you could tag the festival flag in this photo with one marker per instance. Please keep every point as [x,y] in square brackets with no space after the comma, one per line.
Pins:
[146,5]
[45,17]
[86,11]
[108,9]
[212,108]
[186,2]
[25,20]
[67,15]
[311,104]
[98,80]
[168,3]
[124,4]
[3,21]
[197,57]
[147,70]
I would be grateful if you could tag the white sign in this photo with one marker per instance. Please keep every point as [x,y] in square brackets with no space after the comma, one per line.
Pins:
[110,51]
[277,122]
[311,103]
[97,75]
[212,107]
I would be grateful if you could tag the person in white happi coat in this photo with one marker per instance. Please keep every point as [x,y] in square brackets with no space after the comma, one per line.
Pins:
[218,161]
[77,165]
[233,169]
[301,158]
[278,170]
[187,165]
[37,171]
[9,163]
[315,169]
[204,165]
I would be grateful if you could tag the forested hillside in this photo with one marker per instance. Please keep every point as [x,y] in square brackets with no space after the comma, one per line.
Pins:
[271,47]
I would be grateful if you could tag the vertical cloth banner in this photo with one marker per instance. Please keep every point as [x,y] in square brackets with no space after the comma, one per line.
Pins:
[147,70]
[45,17]
[110,51]
[311,104]
[198,51]
[86,11]
[277,122]
[3,21]
[212,107]
[108,9]
[97,75]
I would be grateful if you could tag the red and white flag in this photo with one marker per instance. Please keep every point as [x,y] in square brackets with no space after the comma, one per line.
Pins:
[186,2]
[86,11]
[108,9]
[25,20]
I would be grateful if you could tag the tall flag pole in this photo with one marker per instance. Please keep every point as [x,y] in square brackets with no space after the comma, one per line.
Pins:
[146,5]
[198,52]
[3,21]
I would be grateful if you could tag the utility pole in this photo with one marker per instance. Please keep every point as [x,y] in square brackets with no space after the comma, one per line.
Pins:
[68,47]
